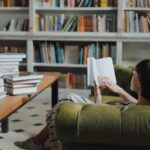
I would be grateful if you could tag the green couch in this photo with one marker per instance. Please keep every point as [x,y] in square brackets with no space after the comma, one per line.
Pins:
[108,127]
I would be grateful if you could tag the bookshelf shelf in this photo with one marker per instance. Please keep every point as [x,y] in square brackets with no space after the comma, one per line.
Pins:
[137,9]
[75,36]
[60,9]
[136,37]
[17,35]
[14,8]
[59,65]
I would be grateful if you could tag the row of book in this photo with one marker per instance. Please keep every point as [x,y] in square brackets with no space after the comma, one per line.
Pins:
[14,3]
[93,23]
[137,22]
[24,83]
[98,50]
[76,3]
[12,49]
[11,81]
[73,81]
[138,3]
[10,63]
[9,66]
[55,52]
[17,25]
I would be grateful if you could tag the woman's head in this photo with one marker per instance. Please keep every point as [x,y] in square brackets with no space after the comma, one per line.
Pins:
[141,79]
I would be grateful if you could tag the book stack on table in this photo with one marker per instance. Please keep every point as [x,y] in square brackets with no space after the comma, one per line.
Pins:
[22,83]
[9,63]
[2,89]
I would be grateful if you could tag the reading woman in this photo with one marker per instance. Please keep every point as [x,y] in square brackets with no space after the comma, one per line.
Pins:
[140,83]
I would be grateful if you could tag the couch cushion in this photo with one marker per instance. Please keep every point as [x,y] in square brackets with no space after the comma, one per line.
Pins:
[135,124]
[99,123]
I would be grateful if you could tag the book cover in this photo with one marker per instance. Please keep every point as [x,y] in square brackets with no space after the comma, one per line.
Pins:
[71,54]
[16,91]
[22,77]
[24,82]
[1,82]
[12,55]
[2,89]
[2,95]
[98,68]
[15,86]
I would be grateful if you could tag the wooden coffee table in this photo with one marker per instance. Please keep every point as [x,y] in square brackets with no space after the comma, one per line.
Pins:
[10,104]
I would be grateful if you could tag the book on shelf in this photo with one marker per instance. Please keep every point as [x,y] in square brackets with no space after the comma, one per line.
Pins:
[75,3]
[137,3]
[73,81]
[76,23]
[55,52]
[71,54]
[14,3]
[17,25]
[137,22]
[97,50]
[99,68]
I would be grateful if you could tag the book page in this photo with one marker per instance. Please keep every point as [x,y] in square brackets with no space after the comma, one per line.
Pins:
[105,68]
[98,68]
[90,75]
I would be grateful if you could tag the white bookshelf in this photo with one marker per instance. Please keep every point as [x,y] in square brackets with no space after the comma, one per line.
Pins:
[125,42]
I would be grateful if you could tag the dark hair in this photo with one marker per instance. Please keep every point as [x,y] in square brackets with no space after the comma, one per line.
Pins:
[143,71]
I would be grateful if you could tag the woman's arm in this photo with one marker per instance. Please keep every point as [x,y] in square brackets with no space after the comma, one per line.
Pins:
[97,94]
[106,82]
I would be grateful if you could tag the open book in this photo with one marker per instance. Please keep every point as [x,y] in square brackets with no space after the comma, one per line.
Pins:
[99,67]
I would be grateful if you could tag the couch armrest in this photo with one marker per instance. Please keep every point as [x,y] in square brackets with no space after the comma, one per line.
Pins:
[66,120]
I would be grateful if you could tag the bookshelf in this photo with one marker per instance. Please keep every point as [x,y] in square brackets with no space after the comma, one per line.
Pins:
[131,47]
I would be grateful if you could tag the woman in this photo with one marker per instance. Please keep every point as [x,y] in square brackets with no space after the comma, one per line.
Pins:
[140,83]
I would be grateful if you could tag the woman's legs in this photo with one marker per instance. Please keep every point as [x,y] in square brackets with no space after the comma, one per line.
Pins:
[35,143]
[42,136]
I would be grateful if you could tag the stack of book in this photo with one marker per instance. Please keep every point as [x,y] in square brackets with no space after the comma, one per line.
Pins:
[9,63]
[22,84]
[2,89]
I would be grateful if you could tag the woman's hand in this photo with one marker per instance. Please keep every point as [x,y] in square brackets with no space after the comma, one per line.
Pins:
[105,82]
[98,94]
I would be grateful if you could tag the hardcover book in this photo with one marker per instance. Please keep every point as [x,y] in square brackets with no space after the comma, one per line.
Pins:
[99,68]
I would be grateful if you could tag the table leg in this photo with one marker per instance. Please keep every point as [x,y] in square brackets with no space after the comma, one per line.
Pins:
[5,124]
[54,93]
